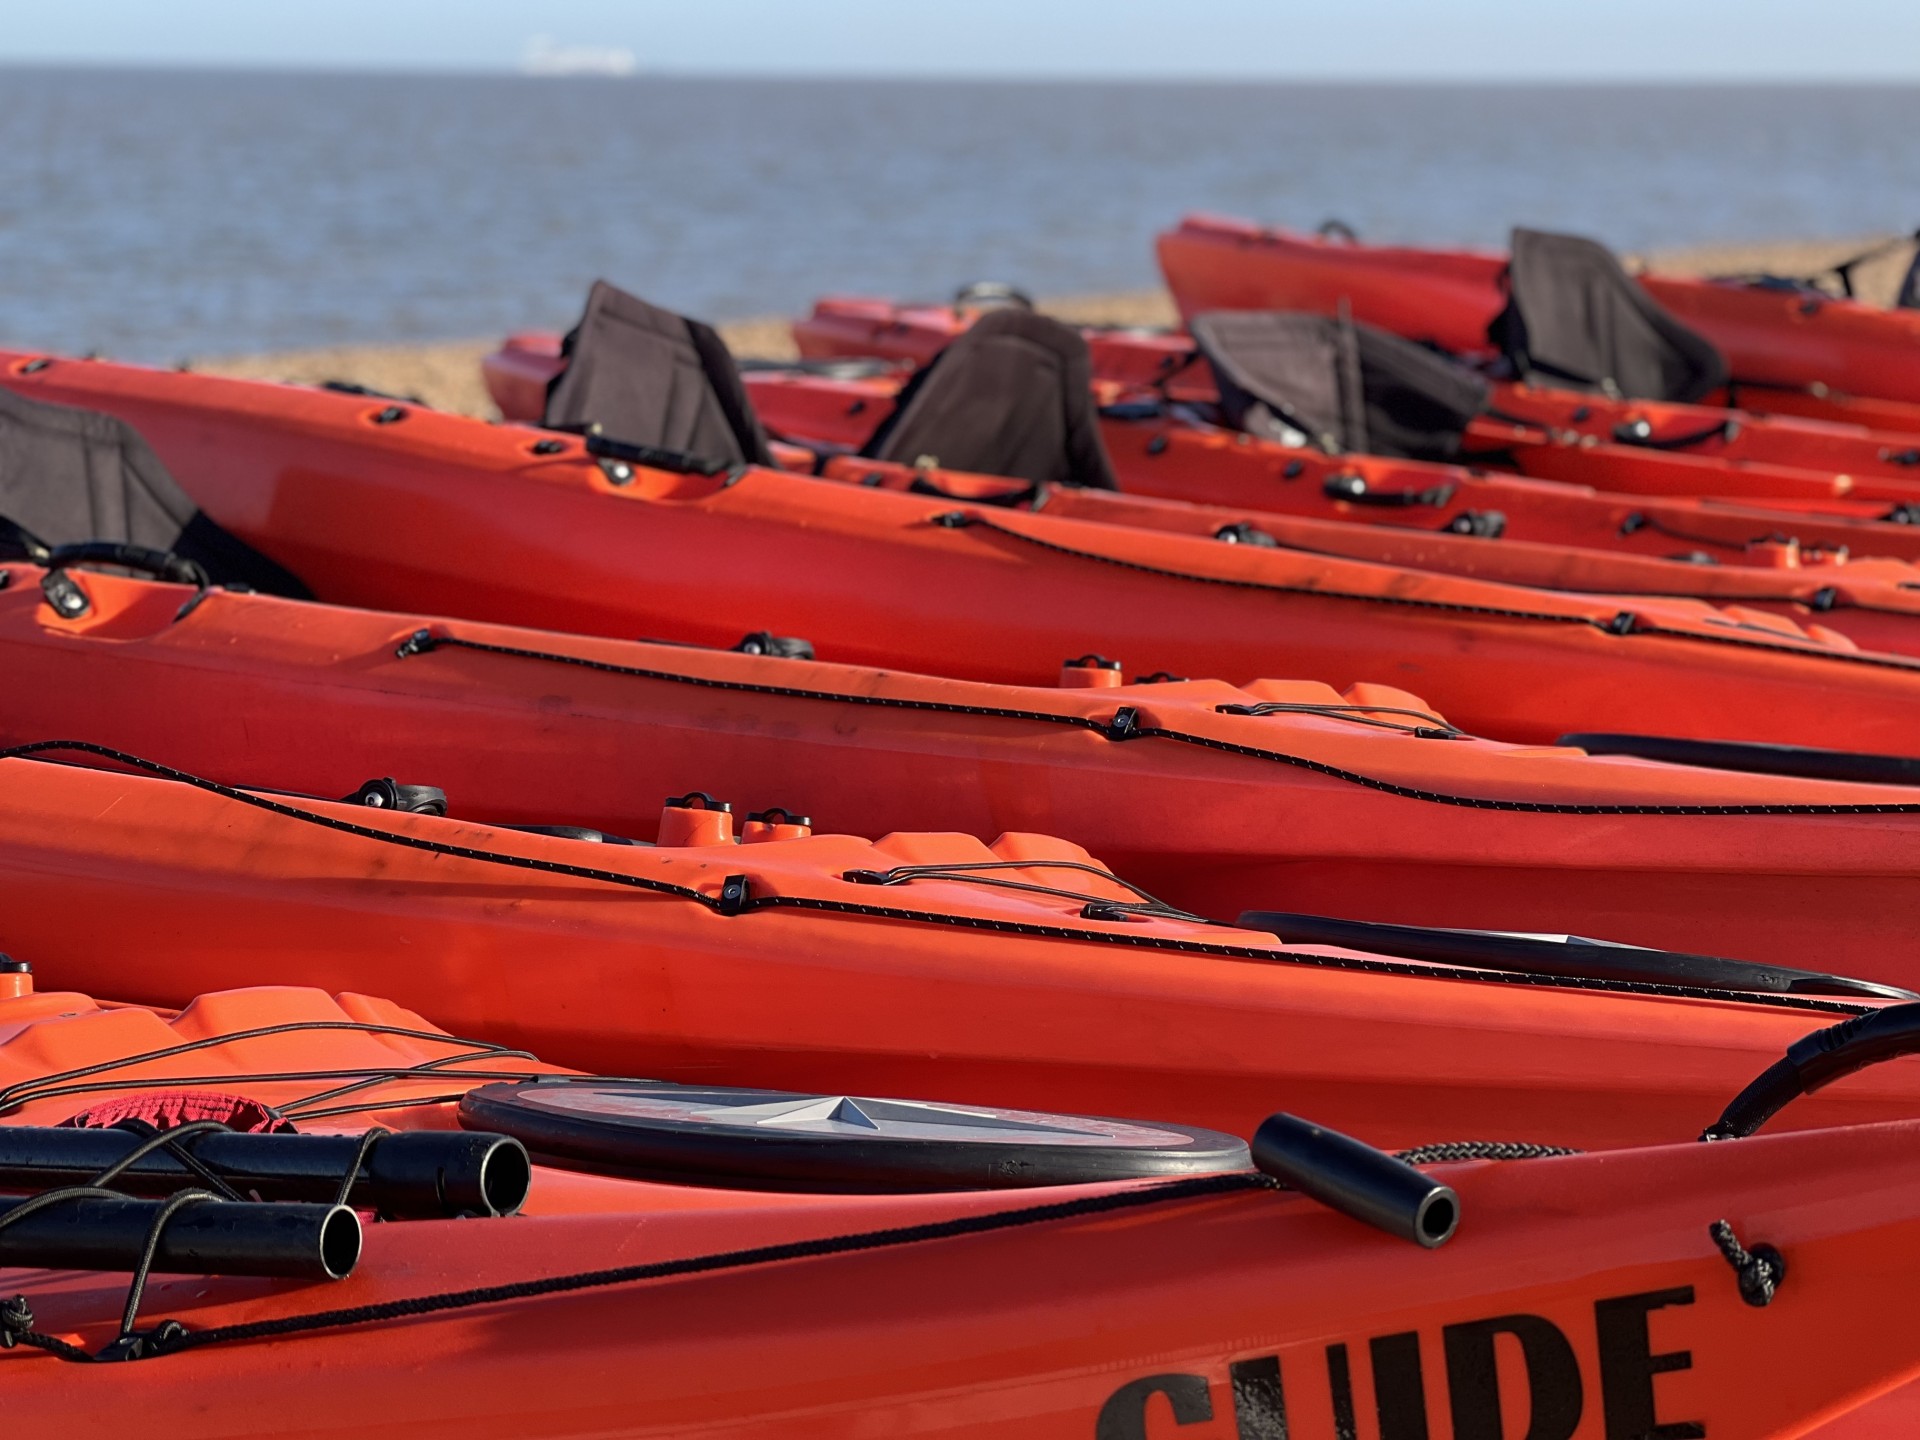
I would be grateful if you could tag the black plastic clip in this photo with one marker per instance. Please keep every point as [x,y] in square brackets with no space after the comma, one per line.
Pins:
[1355,490]
[389,415]
[1484,524]
[143,1344]
[548,447]
[1622,624]
[386,794]
[1241,533]
[783,647]
[779,815]
[1124,725]
[618,458]
[734,894]
[418,643]
[952,520]
[1823,598]
[65,594]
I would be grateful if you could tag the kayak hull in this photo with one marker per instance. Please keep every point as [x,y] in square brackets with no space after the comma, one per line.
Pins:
[433,512]
[1315,806]
[940,988]
[1789,343]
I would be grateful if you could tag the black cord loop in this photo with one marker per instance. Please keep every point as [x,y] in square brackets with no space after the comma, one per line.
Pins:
[1758,1271]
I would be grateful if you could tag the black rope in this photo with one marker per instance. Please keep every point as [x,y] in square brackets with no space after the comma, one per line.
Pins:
[1354,714]
[964,520]
[741,905]
[360,1156]
[426,642]
[349,827]
[401,1103]
[22,1092]
[16,1328]
[1198,1188]
[1624,624]
[1758,1271]
[156,1139]
[16,1318]
[137,1287]
[16,1315]
[174,1145]
[1529,807]
[1146,904]
[1829,599]
[1446,1152]
[425,1069]
[171,1337]
[1354,963]
[1832,600]
[422,642]
[378,1074]
[1640,520]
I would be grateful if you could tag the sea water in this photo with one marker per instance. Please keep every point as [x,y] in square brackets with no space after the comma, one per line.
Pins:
[153,215]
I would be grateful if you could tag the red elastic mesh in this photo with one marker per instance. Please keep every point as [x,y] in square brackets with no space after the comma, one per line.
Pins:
[169,1109]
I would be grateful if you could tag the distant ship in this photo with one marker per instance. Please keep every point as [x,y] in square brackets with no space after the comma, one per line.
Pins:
[546,56]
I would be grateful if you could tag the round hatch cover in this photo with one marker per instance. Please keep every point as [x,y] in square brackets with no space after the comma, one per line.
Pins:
[780,1140]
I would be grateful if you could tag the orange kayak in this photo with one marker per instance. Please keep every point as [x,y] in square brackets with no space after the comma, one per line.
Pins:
[806,962]
[1872,602]
[1638,445]
[1391,814]
[1175,453]
[392,506]
[1581,1291]
[1790,351]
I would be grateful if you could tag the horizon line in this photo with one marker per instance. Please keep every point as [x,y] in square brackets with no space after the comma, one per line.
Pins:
[658,71]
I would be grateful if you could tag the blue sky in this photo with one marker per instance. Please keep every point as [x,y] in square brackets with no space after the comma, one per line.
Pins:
[1172,39]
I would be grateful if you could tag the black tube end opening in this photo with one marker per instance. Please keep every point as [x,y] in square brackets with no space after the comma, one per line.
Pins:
[1437,1218]
[339,1242]
[506,1177]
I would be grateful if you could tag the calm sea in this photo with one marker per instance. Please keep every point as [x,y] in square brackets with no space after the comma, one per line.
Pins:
[153,215]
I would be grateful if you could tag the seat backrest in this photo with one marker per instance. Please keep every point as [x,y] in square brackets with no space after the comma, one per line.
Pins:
[651,377]
[1575,317]
[1328,382]
[1012,395]
[69,475]
[1907,297]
